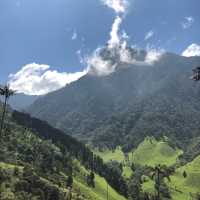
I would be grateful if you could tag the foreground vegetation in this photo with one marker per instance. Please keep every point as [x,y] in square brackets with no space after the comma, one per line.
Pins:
[181,182]
[39,162]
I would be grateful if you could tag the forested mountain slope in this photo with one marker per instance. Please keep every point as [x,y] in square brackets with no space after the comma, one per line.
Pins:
[40,162]
[124,107]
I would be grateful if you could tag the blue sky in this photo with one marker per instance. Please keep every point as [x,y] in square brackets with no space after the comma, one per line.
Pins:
[35,31]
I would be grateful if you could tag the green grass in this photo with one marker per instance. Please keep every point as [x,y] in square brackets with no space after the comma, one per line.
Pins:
[152,152]
[127,172]
[10,167]
[182,187]
[79,185]
[108,155]
[100,190]
[116,155]
[148,185]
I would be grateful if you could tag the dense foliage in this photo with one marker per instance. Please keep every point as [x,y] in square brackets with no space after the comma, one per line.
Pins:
[128,105]
[38,161]
[71,146]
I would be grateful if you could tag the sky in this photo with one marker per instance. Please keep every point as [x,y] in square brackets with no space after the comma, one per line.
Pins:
[43,44]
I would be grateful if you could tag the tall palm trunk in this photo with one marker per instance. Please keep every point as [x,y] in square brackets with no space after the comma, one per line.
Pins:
[107,191]
[3,116]
[158,184]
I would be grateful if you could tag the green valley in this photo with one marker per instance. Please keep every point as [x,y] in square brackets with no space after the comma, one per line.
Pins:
[183,183]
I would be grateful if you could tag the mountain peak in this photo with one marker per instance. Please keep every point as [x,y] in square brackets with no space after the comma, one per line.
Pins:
[105,61]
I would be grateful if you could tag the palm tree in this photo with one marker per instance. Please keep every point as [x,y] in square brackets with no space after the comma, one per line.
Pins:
[158,173]
[107,191]
[7,93]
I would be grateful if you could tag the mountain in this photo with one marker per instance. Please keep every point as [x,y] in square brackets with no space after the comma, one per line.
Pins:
[21,101]
[141,118]
[40,162]
[136,100]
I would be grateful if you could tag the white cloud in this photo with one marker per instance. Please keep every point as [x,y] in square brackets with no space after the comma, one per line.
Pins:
[100,66]
[105,60]
[125,54]
[119,6]
[74,35]
[153,55]
[80,56]
[187,23]
[192,50]
[35,79]
[149,35]
[117,52]
[103,64]
[125,36]
[114,34]
[96,65]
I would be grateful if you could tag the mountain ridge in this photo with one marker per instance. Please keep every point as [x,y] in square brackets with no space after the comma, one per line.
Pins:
[114,109]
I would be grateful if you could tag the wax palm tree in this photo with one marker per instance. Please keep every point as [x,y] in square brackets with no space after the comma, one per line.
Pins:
[159,173]
[107,191]
[7,93]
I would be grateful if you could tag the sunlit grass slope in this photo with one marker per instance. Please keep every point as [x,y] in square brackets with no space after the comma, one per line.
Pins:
[108,155]
[152,152]
[116,155]
[185,188]
[148,186]
[181,188]
[79,185]
[100,190]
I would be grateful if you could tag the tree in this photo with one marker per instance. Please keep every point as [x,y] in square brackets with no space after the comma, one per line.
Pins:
[198,196]
[91,179]
[159,173]
[69,194]
[107,194]
[7,93]
[184,174]
[69,181]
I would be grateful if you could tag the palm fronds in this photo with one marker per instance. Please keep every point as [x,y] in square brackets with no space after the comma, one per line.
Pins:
[7,93]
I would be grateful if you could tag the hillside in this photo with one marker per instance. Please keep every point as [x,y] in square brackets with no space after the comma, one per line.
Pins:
[181,187]
[133,102]
[38,162]
[151,153]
